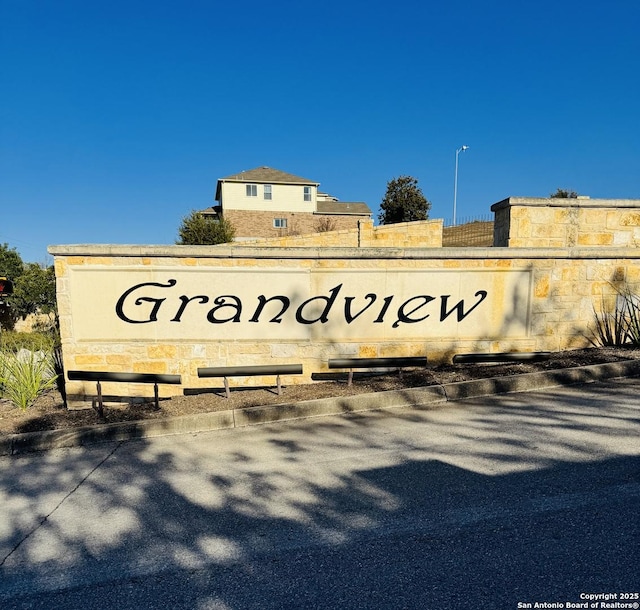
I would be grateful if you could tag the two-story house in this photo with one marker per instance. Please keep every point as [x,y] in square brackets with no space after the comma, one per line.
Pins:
[266,202]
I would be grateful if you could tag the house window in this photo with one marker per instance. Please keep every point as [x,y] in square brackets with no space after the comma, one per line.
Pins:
[267,191]
[307,193]
[252,190]
[279,223]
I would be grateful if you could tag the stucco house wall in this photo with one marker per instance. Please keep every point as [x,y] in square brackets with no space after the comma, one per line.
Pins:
[284,197]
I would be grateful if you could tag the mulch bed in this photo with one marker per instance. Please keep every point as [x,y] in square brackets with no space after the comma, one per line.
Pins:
[49,411]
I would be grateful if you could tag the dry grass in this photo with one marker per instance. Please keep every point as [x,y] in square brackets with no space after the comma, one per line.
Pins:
[477,234]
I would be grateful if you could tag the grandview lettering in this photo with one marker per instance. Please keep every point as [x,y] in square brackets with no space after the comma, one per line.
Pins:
[139,305]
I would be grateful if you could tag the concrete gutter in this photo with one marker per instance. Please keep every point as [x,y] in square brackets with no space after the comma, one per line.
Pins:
[424,397]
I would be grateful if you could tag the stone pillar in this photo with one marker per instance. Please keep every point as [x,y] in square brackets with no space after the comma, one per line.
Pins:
[566,223]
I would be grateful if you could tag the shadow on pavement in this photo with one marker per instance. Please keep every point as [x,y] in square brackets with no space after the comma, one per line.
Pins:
[485,505]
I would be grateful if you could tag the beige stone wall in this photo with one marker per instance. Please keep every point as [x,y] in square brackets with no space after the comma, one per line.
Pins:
[421,234]
[539,299]
[566,223]
[256,224]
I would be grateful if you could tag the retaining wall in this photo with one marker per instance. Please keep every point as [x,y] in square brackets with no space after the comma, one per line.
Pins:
[420,234]
[172,309]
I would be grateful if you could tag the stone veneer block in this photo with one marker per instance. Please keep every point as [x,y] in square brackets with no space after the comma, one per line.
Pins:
[585,222]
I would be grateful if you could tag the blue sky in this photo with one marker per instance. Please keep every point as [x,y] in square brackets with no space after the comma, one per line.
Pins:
[117,118]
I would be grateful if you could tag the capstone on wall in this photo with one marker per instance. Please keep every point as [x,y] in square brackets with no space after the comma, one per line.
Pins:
[173,309]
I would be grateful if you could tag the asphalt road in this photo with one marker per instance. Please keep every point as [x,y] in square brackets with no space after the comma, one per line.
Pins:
[489,503]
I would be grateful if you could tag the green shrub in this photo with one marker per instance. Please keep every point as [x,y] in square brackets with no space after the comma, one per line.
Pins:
[26,375]
[13,342]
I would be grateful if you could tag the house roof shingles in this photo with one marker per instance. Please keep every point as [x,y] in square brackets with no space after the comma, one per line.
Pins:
[343,207]
[267,175]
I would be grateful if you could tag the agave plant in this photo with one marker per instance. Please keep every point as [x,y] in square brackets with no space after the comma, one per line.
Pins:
[617,324]
[632,306]
[610,325]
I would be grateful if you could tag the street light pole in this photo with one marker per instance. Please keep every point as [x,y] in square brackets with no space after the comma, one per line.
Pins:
[455,183]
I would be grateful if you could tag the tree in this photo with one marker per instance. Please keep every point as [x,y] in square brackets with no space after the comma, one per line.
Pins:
[11,264]
[200,230]
[35,291]
[326,224]
[564,194]
[34,288]
[403,202]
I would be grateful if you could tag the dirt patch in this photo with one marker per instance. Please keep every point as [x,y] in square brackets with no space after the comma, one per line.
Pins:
[50,413]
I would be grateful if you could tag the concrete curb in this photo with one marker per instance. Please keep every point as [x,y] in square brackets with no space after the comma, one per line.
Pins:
[15,444]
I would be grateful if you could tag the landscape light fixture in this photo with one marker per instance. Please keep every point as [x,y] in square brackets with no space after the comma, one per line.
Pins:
[455,183]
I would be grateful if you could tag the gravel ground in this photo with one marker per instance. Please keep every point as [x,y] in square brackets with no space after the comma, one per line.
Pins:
[49,411]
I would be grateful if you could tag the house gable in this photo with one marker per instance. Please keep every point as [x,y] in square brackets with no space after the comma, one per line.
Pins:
[265,202]
[267,189]
[263,175]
